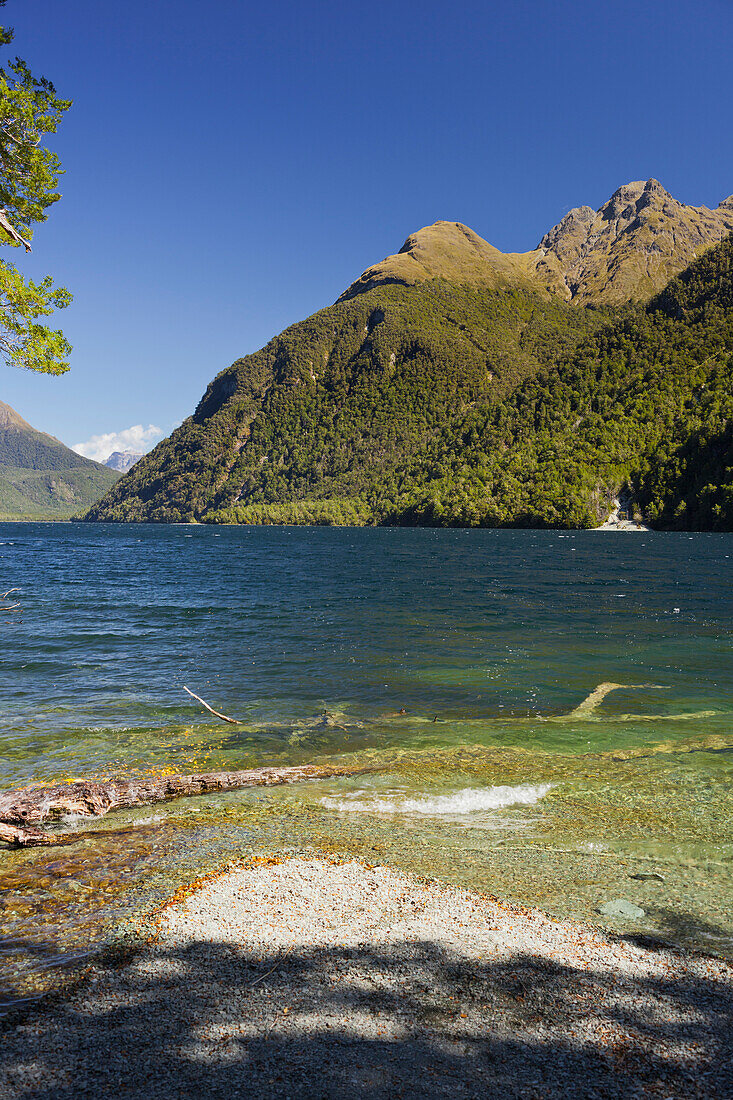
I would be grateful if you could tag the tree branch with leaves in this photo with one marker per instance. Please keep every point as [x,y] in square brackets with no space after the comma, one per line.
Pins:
[30,110]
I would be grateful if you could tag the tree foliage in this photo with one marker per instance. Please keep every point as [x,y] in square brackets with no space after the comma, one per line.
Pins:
[30,110]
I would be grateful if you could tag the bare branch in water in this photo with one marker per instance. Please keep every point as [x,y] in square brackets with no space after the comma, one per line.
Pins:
[13,608]
[234,721]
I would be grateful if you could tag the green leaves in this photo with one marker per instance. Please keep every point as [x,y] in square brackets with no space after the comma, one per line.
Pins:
[24,340]
[29,173]
[30,110]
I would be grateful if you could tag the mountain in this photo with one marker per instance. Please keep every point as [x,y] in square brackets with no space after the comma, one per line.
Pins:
[339,402]
[40,478]
[643,405]
[627,250]
[123,460]
[455,384]
[632,246]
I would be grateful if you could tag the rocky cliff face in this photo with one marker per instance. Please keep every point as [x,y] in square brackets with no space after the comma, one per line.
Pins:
[629,249]
[632,246]
[9,418]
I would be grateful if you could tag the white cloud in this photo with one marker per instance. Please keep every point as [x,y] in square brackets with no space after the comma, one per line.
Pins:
[137,438]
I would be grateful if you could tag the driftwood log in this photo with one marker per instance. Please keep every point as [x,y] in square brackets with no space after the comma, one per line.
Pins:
[21,810]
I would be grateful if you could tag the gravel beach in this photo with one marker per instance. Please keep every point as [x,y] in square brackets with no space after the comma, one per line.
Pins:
[309,978]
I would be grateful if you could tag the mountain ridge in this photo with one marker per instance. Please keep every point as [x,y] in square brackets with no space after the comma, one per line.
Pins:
[40,477]
[626,250]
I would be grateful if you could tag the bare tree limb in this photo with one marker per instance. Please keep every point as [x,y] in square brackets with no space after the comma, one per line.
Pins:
[234,721]
[34,838]
[12,232]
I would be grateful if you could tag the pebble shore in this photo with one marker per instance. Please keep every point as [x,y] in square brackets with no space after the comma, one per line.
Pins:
[310,978]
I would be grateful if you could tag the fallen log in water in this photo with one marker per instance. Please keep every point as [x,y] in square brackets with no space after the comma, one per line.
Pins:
[22,809]
[33,838]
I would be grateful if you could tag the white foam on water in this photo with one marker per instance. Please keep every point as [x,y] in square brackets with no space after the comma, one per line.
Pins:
[468,801]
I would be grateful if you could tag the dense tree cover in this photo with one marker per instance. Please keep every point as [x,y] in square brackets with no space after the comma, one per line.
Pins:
[465,406]
[310,513]
[31,450]
[50,494]
[646,403]
[338,403]
[30,109]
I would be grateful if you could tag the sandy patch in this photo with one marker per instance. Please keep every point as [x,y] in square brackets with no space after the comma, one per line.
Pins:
[312,979]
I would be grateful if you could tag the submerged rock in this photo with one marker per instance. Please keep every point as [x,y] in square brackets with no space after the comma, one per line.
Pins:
[619,907]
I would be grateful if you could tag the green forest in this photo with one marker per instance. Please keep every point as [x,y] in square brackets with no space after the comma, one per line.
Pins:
[453,405]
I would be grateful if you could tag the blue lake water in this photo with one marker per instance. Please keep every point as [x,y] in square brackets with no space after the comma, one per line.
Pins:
[466,666]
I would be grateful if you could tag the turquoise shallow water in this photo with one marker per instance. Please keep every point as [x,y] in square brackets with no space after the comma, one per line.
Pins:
[456,662]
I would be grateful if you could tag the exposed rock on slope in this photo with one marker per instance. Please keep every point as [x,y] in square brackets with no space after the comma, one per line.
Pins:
[40,478]
[633,245]
[629,249]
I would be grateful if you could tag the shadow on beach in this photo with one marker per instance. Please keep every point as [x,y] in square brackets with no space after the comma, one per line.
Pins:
[409,1020]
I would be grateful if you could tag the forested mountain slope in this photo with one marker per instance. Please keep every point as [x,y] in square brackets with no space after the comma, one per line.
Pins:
[40,478]
[433,393]
[340,402]
[646,403]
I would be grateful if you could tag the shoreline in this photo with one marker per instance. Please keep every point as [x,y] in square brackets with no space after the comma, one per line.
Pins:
[308,976]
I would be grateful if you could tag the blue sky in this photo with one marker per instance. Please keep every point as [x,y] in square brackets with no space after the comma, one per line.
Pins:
[232,166]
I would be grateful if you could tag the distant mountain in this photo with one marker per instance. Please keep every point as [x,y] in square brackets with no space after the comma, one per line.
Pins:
[40,478]
[629,249]
[455,384]
[123,460]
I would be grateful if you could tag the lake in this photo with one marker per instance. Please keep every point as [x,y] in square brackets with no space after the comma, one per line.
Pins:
[465,666]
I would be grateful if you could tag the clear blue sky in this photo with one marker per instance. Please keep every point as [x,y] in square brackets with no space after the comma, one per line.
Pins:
[232,166]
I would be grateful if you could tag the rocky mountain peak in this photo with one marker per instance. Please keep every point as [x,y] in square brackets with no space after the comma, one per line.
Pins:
[628,203]
[628,249]
[123,460]
[632,245]
[9,418]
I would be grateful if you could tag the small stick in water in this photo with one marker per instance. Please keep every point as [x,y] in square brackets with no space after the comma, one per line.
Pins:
[234,721]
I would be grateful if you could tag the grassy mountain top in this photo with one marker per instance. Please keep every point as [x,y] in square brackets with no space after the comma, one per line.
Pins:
[627,250]
[40,478]
[450,251]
